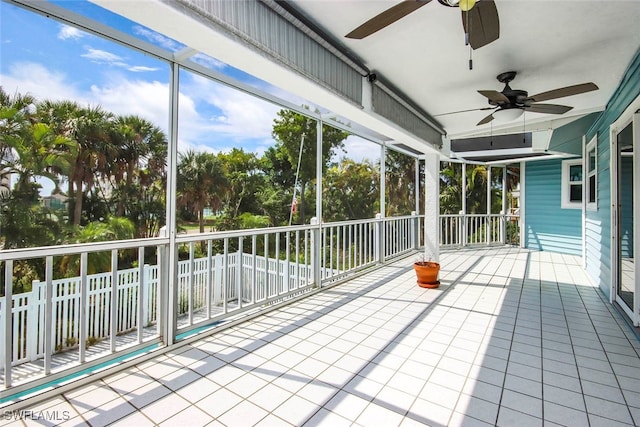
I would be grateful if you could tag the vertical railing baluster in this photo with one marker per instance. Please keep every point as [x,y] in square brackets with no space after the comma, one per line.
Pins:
[7,317]
[267,291]
[82,335]
[190,284]
[141,295]
[209,278]
[323,255]
[297,273]
[307,256]
[287,265]
[225,275]
[113,325]
[239,287]
[359,228]
[48,313]
[254,268]
[277,262]
[350,246]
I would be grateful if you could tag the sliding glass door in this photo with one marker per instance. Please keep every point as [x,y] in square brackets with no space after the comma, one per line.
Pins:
[626,219]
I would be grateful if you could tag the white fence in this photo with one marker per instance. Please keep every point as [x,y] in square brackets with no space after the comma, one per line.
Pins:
[29,307]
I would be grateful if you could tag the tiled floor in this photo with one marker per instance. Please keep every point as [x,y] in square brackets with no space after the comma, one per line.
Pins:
[512,338]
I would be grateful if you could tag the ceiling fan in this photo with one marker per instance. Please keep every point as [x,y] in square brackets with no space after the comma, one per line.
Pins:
[511,103]
[479,19]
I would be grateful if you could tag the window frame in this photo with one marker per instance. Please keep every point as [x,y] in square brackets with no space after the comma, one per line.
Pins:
[566,183]
[592,146]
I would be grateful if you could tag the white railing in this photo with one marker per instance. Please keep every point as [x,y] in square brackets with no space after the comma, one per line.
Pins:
[479,229]
[28,307]
[63,321]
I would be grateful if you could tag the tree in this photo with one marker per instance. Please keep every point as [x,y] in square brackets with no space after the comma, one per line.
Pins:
[400,183]
[351,191]
[95,155]
[244,180]
[97,262]
[136,142]
[90,128]
[451,188]
[16,117]
[297,133]
[30,150]
[138,173]
[201,183]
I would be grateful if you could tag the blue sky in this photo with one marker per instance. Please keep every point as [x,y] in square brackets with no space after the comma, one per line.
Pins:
[50,60]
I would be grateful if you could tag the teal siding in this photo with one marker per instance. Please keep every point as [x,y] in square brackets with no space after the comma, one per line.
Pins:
[568,138]
[598,223]
[548,226]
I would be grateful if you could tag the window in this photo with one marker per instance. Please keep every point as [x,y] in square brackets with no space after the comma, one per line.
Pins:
[591,173]
[571,184]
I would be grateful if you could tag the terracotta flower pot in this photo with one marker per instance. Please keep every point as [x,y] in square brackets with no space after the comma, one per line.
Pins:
[427,273]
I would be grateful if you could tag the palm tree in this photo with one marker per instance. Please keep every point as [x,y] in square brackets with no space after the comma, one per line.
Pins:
[16,118]
[400,183]
[30,150]
[201,183]
[451,188]
[97,262]
[139,144]
[89,127]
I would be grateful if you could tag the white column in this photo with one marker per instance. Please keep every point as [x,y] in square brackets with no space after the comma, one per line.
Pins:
[432,206]
[505,219]
[383,180]
[488,226]
[168,282]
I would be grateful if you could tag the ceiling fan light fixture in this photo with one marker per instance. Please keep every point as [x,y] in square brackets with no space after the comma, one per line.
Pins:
[466,5]
[507,114]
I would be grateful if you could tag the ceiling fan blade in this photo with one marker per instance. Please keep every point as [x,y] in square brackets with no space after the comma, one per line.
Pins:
[564,91]
[465,111]
[494,96]
[385,18]
[485,120]
[548,108]
[484,24]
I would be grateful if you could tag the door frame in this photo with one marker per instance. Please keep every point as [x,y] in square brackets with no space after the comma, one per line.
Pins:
[630,116]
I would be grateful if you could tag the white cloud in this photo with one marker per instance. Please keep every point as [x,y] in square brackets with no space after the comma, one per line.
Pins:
[242,115]
[33,78]
[104,57]
[141,68]
[358,149]
[240,119]
[207,61]
[67,32]
[157,38]
[123,96]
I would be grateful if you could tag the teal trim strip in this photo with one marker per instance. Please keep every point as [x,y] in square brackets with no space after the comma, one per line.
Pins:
[196,331]
[82,373]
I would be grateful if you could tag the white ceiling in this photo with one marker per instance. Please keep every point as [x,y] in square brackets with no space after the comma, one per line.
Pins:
[550,43]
